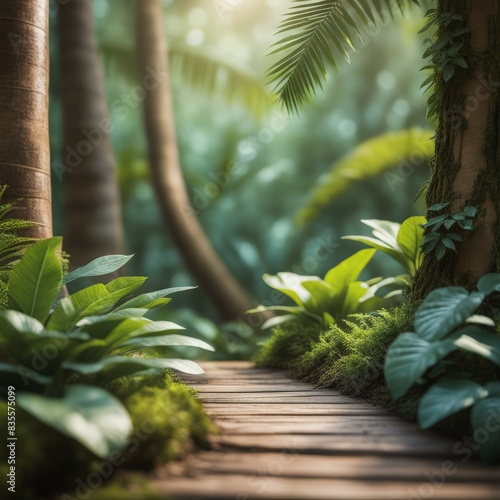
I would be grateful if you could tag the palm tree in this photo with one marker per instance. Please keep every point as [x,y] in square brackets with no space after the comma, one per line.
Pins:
[24,132]
[230,299]
[92,207]
[465,77]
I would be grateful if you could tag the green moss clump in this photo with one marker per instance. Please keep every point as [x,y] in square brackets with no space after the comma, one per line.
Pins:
[348,358]
[289,342]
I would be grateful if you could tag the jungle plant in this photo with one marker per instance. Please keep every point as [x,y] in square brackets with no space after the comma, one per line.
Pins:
[446,330]
[402,242]
[59,354]
[439,236]
[330,300]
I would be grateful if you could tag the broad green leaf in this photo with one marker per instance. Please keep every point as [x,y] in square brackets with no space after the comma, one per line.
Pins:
[35,282]
[113,367]
[443,310]
[485,419]
[479,341]
[91,415]
[98,267]
[138,343]
[348,271]
[410,237]
[114,315]
[447,397]
[408,358]
[385,231]
[322,297]
[290,284]
[489,283]
[152,299]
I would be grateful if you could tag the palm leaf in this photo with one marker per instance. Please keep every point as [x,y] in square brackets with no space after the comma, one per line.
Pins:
[314,33]
[202,68]
[373,157]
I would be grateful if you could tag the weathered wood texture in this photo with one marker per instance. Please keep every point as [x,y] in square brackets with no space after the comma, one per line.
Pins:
[285,440]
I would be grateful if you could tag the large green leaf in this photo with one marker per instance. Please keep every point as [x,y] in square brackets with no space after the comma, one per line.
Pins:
[479,341]
[443,310]
[485,419]
[323,296]
[446,397]
[98,267]
[489,283]
[113,367]
[290,284]
[348,271]
[410,237]
[91,415]
[408,358]
[138,343]
[375,157]
[36,281]
[152,299]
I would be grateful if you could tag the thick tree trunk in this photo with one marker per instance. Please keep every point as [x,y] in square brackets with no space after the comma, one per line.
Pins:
[92,204]
[201,259]
[24,126]
[466,169]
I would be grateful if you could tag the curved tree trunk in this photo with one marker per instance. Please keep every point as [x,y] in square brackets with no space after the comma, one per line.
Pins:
[201,259]
[24,125]
[92,208]
[466,169]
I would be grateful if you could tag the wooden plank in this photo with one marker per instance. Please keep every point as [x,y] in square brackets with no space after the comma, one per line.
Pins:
[243,487]
[298,409]
[278,398]
[414,444]
[363,467]
[258,388]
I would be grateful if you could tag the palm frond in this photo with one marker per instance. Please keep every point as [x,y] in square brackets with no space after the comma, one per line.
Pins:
[314,33]
[371,158]
[202,68]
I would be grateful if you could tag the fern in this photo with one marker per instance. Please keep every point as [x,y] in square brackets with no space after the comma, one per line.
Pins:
[12,246]
[314,33]
[373,157]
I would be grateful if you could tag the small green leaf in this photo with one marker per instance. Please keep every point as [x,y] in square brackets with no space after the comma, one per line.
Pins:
[446,398]
[489,283]
[438,207]
[98,267]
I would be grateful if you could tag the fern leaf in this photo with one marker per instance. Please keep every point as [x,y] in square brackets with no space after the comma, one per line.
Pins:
[373,157]
[314,34]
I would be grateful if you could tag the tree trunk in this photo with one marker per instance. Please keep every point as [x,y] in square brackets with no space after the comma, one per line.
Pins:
[199,256]
[465,169]
[24,125]
[93,223]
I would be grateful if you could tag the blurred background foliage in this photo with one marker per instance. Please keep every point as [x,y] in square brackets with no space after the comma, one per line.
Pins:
[249,173]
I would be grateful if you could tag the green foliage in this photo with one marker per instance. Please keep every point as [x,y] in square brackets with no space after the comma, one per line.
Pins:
[330,300]
[438,236]
[373,157]
[444,51]
[314,33]
[402,242]
[447,332]
[12,246]
[60,350]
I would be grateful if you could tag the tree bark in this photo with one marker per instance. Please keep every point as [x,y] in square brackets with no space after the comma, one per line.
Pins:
[205,265]
[467,148]
[93,222]
[24,125]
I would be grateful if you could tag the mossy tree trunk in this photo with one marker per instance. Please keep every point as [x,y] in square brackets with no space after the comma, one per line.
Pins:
[93,222]
[205,265]
[466,164]
[24,106]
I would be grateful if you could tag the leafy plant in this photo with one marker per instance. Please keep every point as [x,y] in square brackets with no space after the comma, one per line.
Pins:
[402,242]
[329,300]
[12,245]
[376,156]
[438,236]
[63,352]
[444,323]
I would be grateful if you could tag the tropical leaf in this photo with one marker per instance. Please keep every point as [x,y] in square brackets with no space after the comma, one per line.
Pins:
[98,267]
[203,68]
[314,33]
[91,415]
[484,417]
[371,158]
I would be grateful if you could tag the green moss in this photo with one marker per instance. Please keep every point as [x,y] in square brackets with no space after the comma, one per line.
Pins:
[288,343]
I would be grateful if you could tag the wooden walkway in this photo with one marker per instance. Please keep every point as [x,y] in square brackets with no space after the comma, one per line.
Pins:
[283,439]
